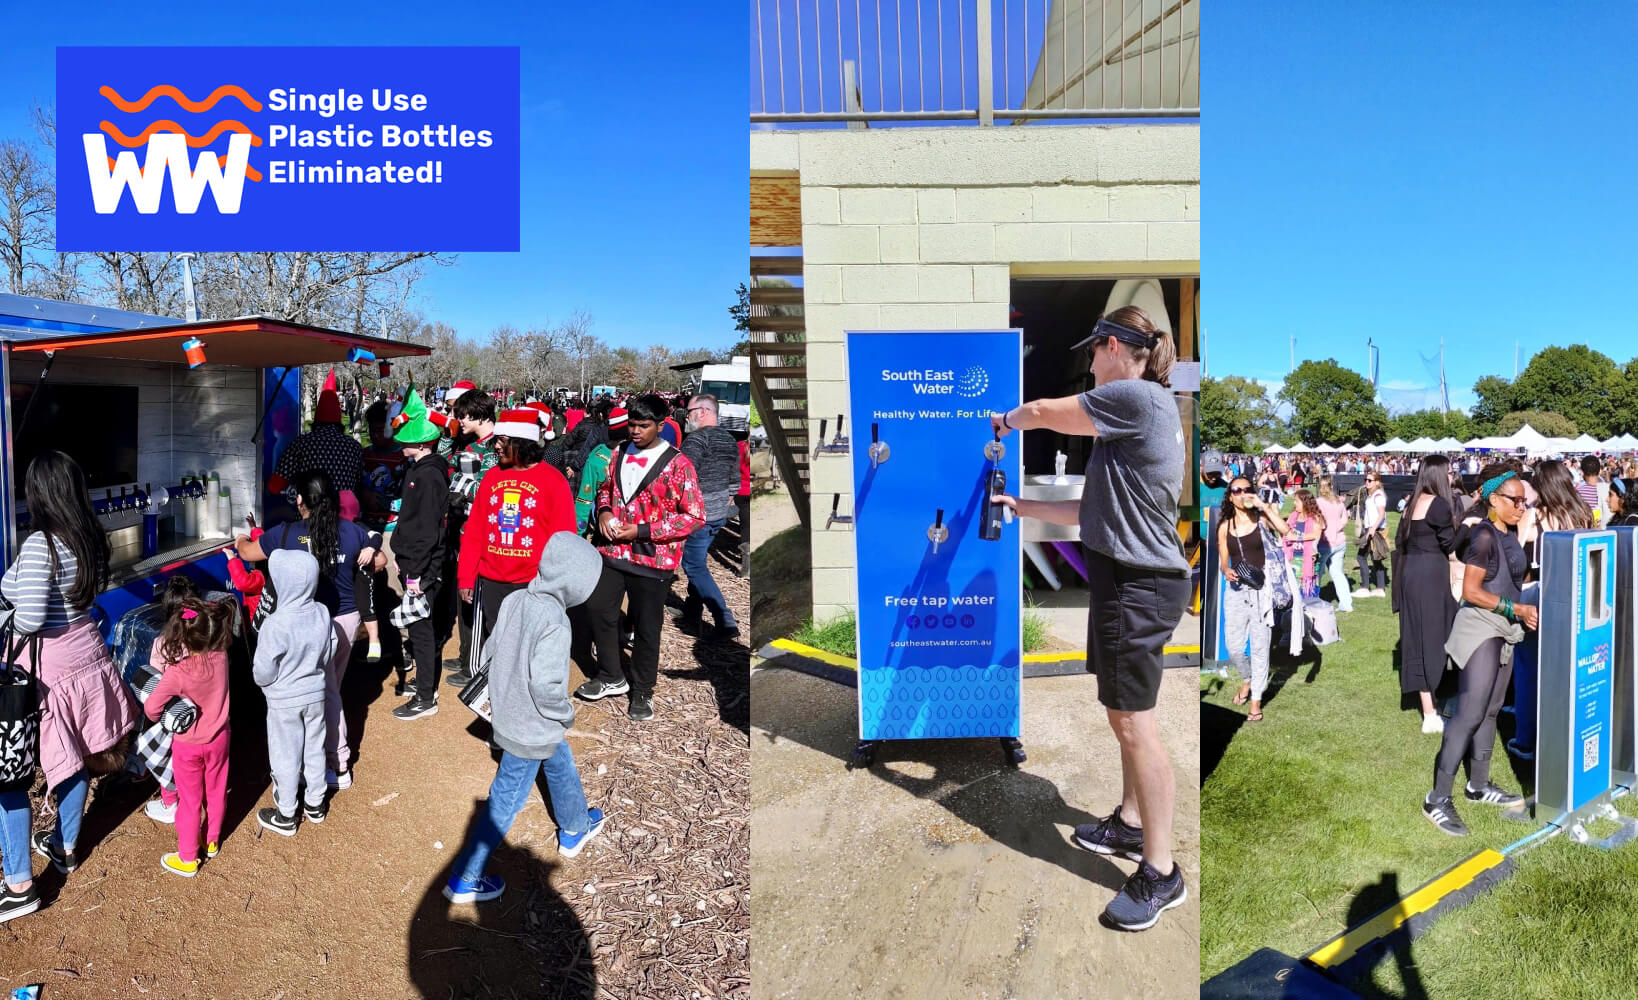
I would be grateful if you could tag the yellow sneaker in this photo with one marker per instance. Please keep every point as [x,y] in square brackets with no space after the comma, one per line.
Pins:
[212,849]
[174,864]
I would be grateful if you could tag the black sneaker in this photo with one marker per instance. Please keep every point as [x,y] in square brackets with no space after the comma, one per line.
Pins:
[415,708]
[596,690]
[402,687]
[1144,897]
[1111,835]
[1442,814]
[279,823]
[452,665]
[16,904]
[63,861]
[315,814]
[1491,795]
[458,679]
[642,708]
[723,633]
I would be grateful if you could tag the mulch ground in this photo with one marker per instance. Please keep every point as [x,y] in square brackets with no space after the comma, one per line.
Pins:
[656,907]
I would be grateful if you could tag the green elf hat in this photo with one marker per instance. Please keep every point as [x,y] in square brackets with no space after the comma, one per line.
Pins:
[411,426]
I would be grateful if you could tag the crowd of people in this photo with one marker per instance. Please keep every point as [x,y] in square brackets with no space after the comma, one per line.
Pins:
[529,532]
[1465,562]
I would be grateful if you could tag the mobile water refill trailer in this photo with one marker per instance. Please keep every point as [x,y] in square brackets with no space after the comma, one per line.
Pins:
[176,425]
[940,575]
[1579,603]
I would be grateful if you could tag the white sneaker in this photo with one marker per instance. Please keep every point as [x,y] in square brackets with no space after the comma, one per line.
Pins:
[341,780]
[159,812]
[1433,722]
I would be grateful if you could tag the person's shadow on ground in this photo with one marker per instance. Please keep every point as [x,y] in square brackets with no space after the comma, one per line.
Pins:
[527,943]
[1009,805]
[1370,901]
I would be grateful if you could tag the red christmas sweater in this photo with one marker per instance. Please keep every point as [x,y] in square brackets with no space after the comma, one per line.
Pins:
[666,508]
[513,514]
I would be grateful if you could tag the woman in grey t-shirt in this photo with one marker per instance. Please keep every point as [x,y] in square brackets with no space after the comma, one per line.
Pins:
[1138,577]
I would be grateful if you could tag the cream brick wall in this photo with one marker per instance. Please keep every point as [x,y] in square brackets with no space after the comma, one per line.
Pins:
[923,228]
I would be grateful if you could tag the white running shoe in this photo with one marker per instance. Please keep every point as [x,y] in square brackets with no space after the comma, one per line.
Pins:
[340,780]
[159,812]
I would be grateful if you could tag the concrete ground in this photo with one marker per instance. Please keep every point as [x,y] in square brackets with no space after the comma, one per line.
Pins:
[1065,612]
[941,871]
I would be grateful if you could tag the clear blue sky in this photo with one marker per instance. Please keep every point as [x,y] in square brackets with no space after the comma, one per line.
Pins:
[634,152]
[1405,173]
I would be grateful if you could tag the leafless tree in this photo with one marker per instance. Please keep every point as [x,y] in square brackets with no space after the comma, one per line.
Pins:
[26,207]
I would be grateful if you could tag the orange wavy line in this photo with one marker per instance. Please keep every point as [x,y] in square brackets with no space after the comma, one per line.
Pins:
[166,125]
[250,172]
[166,90]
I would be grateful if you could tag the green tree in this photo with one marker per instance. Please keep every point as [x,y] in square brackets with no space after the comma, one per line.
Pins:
[1576,381]
[1433,424]
[1495,400]
[1235,414]
[1547,422]
[1332,405]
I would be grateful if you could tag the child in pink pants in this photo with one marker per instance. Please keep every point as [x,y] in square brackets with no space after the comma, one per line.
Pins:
[195,642]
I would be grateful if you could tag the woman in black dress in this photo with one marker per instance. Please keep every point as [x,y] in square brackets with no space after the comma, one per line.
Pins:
[1421,586]
[1490,623]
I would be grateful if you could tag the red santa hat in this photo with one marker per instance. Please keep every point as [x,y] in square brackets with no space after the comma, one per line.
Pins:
[617,417]
[459,389]
[545,412]
[329,403]
[519,423]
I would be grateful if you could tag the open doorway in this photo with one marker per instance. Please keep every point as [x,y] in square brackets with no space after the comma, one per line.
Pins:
[1055,314]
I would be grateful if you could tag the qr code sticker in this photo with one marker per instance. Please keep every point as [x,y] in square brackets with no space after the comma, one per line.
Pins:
[1589,753]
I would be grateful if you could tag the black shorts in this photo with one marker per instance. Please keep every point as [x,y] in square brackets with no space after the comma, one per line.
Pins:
[1133,612]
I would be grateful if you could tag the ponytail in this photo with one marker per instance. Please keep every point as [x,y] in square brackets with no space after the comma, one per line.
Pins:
[1157,360]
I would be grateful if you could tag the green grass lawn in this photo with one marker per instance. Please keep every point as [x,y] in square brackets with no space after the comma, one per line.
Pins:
[1312,822]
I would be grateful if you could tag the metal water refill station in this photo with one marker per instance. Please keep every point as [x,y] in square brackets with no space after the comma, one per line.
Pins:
[940,571]
[1574,728]
[1624,713]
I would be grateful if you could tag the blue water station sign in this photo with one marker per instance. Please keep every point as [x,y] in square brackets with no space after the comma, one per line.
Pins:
[940,573]
[1573,734]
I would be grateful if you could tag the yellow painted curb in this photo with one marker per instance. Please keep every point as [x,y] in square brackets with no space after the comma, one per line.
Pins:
[791,646]
[1344,947]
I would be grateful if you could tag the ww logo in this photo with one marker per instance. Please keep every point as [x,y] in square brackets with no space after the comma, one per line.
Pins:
[167,157]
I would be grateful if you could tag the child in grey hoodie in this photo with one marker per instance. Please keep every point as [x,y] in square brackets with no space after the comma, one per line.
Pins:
[295,643]
[528,669]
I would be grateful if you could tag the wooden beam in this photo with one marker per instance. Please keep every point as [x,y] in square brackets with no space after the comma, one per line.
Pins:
[789,348]
[774,371]
[770,295]
[787,266]
[776,212]
[1186,305]
[778,324]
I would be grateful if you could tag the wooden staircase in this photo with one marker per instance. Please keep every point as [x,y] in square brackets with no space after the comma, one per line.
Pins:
[779,370]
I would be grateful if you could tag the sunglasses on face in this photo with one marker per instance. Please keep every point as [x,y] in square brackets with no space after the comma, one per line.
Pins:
[1236,491]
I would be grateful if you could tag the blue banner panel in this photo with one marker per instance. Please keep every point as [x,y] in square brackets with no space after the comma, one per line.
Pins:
[940,622]
[287,148]
[1594,655]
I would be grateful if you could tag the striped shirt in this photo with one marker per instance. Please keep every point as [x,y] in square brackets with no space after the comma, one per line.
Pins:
[1591,493]
[36,592]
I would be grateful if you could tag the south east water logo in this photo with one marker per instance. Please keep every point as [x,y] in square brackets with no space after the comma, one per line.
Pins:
[970,384]
[166,144]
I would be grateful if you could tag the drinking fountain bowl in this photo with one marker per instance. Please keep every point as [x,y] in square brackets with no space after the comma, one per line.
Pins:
[1051,488]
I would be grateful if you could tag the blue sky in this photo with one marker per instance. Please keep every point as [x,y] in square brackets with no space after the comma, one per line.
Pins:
[1397,172]
[634,155]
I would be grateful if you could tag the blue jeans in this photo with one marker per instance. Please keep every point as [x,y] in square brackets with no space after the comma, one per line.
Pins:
[71,807]
[702,590]
[510,792]
[16,817]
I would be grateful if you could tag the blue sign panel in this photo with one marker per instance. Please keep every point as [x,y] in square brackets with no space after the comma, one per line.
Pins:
[287,148]
[940,582]
[1594,656]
